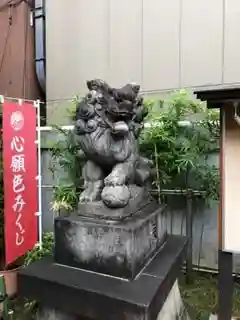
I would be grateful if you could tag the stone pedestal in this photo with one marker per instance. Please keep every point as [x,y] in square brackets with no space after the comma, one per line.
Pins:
[174,307]
[69,293]
[117,248]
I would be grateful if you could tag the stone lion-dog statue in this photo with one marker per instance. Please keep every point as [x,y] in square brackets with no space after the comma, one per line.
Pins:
[107,127]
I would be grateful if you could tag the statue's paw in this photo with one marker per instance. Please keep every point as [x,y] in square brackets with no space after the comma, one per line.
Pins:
[114,180]
[115,197]
[84,197]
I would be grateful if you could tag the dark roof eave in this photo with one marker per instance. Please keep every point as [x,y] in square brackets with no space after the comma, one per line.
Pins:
[216,98]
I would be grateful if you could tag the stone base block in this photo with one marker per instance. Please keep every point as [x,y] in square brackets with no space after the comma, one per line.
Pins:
[215,317]
[119,249]
[44,313]
[174,307]
[80,293]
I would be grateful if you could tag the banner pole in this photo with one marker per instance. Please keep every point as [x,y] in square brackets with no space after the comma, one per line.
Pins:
[37,105]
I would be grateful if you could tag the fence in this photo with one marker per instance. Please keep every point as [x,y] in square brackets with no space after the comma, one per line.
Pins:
[201,223]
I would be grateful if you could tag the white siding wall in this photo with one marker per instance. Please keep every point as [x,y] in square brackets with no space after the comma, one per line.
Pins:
[161,44]
[201,42]
[231,66]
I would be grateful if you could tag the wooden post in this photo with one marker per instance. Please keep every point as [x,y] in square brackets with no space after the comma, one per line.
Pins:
[225,285]
[227,100]
[189,224]
[3,298]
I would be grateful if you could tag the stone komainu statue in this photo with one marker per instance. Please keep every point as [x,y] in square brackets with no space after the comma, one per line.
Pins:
[108,123]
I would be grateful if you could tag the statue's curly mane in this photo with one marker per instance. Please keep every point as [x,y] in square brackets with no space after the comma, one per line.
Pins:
[102,147]
[108,123]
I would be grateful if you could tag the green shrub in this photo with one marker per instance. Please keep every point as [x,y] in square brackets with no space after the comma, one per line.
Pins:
[39,252]
[180,152]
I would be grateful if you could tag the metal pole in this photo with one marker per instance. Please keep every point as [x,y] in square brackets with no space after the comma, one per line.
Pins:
[189,234]
[225,285]
[37,105]
[3,298]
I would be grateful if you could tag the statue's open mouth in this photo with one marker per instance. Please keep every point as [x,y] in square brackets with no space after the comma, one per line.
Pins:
[120,128]
[122,111]
[120,115]
[119,122]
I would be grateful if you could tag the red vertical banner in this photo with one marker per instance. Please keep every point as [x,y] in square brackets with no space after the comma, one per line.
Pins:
[20,183]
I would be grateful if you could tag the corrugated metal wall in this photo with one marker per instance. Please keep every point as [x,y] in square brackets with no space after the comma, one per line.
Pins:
[161,44]
[17,68]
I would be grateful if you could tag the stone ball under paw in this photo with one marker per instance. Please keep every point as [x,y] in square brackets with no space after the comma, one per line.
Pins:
[115,196]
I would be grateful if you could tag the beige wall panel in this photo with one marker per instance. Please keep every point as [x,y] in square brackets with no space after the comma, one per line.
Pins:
[232,43]
[59,44]
[77,45]
[92,33]
[76,49]
[125,55]
[201,42]
[161,44]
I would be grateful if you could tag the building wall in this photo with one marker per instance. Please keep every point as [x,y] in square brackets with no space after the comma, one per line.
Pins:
[160,44]
[17,66]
